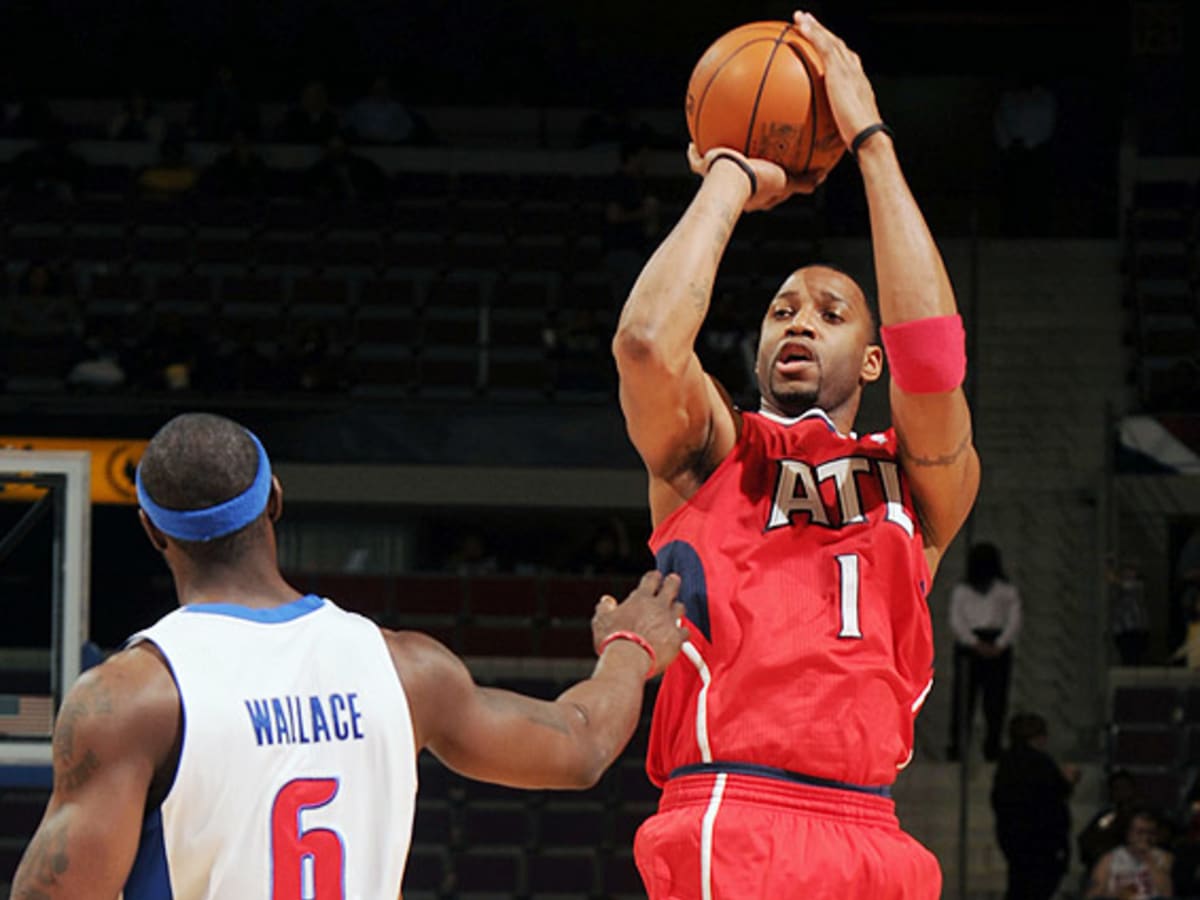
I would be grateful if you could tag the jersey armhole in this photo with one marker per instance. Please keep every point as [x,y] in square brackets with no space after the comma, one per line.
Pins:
[166,783]
[678,513]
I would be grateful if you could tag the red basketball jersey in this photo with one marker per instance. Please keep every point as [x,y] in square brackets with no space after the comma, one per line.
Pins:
[805,584]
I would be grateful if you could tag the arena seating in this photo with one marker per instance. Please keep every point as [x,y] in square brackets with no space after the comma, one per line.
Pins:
[1155,734]
[1162,225]
[452,284]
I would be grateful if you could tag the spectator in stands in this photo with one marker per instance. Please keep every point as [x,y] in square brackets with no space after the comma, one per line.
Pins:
[985,616]
[224,108]
[1137,869]
[174,175]
[137,120]
[313,120]
[631,220]
[342,176]
[1127,612]
[1107,827]
[99,366]
[1030,795]
[238,172]
[379,118]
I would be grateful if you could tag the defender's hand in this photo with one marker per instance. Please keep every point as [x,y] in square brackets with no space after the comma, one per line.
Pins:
[651,611]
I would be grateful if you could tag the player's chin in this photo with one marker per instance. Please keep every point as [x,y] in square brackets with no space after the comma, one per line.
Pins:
[793,399]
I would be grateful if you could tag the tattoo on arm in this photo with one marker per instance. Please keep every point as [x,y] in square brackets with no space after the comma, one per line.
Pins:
[945,459]
[77,776]
[45,861]
[72,772]
[699,295]
[535,712]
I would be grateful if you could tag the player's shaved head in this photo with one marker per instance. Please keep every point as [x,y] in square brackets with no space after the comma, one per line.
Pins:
[198,460]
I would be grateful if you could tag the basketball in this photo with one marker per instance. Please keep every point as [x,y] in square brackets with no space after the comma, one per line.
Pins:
[760,90]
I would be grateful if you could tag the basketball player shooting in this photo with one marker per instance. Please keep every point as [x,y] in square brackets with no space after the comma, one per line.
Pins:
[261,743]
[806,552]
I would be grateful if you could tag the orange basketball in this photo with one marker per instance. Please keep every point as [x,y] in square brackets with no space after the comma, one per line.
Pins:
[760,89]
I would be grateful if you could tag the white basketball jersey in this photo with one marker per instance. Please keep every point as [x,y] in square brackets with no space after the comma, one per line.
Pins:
[297,776]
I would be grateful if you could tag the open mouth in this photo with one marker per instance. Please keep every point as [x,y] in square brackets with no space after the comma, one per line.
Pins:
[794,358]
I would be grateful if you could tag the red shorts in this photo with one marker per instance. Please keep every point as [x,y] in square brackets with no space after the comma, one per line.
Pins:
[746,837]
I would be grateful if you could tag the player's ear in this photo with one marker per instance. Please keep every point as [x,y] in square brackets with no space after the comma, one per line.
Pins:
[275,500]
[157,538]
[872,365]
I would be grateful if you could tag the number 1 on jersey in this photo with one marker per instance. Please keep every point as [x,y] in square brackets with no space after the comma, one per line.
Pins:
[293,849]
[848,580]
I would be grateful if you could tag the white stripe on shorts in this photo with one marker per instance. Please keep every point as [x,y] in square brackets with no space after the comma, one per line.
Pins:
[706,836]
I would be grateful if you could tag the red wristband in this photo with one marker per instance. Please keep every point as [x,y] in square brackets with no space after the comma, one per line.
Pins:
[926,356]
[637,639]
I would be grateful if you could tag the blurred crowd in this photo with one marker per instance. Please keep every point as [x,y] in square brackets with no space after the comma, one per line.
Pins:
[1130,849]
[225,108]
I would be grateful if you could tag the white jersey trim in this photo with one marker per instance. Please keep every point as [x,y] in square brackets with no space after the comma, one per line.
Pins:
[690,651]
[814,413]
[920,701]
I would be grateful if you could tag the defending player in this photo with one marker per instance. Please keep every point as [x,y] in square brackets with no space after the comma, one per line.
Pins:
[806,551]
[257,743]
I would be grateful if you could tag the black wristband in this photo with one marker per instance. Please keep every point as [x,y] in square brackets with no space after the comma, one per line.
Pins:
[861,137]
[741,164]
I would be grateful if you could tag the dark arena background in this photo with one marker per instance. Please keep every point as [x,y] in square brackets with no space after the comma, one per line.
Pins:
[375,233]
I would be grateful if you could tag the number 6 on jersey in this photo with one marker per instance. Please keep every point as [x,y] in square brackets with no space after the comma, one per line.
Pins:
[294,850]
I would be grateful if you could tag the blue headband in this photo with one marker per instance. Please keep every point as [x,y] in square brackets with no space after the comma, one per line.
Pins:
[213,521]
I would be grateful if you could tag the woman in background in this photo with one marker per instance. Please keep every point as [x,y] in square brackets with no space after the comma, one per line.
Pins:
[985,615]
